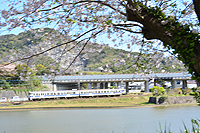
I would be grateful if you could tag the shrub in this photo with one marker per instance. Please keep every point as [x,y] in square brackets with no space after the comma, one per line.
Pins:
[157,91]
[197,97]
[186,91]
[192,93]
[177,90]
[5,84]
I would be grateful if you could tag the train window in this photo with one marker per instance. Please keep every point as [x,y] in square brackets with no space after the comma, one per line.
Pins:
[73,92]
[58,94]
[54,93]
[104,91]
[107,91]
[101,91]
[61,93]
[95,92]
[36,94]
[98,91]
[81,92]
[47,93]
[51,93]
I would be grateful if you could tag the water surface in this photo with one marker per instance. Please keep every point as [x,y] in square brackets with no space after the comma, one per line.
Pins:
[133,120]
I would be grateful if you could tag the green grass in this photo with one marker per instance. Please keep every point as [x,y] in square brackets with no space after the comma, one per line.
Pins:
[130,100]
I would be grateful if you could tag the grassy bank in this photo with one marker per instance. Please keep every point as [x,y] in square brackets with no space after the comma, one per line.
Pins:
[129,100]
[123,101]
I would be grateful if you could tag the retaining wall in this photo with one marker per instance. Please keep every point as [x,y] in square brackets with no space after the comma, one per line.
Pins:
[172,100]
[11,93]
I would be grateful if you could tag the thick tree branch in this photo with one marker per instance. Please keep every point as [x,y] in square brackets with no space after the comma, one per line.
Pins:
[197,8]
[137,32]
[128,25]
[153,29]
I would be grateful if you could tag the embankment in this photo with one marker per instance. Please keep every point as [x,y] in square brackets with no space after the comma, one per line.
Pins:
[172,100]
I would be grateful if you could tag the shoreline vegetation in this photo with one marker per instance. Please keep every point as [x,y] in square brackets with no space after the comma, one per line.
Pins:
[124,101]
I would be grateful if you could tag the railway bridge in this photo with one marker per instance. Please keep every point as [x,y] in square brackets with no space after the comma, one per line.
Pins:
[105,81]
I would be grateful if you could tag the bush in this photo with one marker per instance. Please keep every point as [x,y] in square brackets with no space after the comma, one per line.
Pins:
[192,93]
[5,84]
[197,97]
[157,91]
[186,91]
[177,90]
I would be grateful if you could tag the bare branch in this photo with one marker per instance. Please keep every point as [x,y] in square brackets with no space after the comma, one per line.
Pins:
[103,3]
[128,25]
[82,49]
[129,30]
[51,8]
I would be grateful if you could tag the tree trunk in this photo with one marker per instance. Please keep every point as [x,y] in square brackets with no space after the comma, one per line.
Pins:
[153,29]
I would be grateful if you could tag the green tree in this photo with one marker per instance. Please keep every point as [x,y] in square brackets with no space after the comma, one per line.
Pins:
[157,91]
[5,84]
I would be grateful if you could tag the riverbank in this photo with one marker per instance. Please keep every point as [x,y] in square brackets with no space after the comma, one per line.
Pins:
[124,101]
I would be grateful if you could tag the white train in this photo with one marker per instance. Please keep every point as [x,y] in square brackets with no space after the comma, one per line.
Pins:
[39,95]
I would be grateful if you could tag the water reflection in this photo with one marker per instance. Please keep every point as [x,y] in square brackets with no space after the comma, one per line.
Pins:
[133,120]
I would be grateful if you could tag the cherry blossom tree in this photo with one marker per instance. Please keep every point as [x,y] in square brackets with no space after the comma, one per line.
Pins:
[157,26]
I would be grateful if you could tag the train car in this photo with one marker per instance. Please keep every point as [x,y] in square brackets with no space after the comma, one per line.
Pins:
[38,95]
[101,92]
[94,92]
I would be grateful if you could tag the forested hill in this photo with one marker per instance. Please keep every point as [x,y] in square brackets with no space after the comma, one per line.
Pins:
[108,56]
[19,41]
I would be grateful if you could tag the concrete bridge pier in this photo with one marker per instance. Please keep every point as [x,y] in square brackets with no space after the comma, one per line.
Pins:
[146,86]
[184,84]
[119,84]
[102,85]
[173,83]
[89,85]
[54,87]
[98,85]
[109,85]
[79,85]
[94,85]
[127,87]
[106,85]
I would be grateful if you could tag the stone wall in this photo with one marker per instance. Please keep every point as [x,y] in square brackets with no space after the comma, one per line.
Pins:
[172,100]
[11,93]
